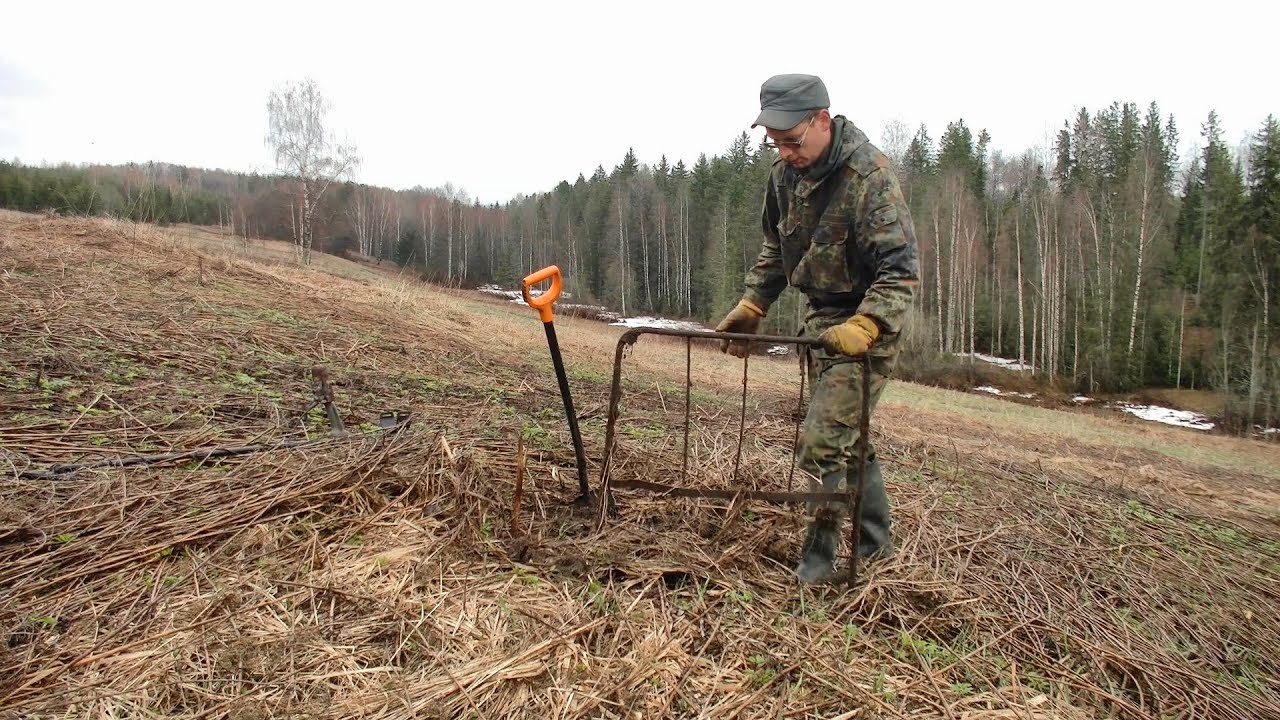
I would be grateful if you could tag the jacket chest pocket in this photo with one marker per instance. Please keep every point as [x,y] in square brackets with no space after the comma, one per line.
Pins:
[823,260]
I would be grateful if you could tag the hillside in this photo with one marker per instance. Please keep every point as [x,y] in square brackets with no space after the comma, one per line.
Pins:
[1051,563]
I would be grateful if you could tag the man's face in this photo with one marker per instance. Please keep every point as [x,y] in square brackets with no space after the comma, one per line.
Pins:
[802,145]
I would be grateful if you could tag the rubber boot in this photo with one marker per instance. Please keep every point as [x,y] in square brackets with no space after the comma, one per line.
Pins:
[818,557]
[873,538]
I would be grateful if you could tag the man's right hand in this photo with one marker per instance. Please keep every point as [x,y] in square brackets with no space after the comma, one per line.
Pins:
[745,318]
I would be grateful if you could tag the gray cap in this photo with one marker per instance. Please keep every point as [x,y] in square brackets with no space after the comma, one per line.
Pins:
[786,99]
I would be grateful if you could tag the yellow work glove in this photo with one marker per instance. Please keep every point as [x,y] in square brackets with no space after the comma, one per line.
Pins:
[745,318]
[854,337]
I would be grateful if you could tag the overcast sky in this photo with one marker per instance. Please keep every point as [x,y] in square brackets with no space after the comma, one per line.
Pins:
[502,98]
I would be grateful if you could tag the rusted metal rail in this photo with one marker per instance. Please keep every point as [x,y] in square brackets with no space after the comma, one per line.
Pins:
[852,496]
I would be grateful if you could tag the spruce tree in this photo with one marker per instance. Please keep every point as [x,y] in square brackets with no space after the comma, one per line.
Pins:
[1264,180]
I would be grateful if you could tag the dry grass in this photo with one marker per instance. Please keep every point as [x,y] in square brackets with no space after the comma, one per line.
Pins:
[1101,433]
[1201,401]
[220,243]
[1040,573]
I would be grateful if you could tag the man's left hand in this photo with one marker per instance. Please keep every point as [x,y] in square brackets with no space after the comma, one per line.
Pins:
[854,337]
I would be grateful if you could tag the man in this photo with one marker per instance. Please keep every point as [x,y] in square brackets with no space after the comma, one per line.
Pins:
[837,228]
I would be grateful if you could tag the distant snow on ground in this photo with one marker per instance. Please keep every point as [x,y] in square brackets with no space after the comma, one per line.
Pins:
[779,350]
[1002,362]
[598,312]
[1155,413]
[1002,393]
[646,321]
[515,294]
[1168,416]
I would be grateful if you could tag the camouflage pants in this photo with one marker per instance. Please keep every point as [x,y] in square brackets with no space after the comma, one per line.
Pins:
[830,441]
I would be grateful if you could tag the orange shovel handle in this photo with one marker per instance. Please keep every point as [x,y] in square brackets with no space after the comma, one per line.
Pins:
[543,302]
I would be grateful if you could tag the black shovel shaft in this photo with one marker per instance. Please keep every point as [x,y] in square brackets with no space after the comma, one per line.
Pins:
[568,406]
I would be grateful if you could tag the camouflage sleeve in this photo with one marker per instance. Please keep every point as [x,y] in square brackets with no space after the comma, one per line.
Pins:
[766,280]
[887,237]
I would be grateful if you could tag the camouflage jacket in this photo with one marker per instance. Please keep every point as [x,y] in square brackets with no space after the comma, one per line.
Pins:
[844,239]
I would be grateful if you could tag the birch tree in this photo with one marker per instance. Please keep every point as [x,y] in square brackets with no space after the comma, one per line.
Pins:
[1154,168]
[307,151]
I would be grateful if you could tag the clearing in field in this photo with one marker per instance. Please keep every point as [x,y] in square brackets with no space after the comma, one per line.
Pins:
[1050,564]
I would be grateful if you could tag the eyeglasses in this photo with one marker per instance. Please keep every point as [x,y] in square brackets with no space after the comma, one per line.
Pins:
[774,145]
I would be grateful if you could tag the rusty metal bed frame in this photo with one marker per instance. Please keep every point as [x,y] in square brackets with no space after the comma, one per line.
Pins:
[853,495]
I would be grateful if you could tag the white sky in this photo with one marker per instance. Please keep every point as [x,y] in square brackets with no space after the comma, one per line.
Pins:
[502,98]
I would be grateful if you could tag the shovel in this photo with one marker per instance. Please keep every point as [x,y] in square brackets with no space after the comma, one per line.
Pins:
[543,304]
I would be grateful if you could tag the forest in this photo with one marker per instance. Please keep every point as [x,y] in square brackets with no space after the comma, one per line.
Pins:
[1106,263]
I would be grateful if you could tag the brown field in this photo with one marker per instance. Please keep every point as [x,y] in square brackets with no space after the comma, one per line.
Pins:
[1051,563]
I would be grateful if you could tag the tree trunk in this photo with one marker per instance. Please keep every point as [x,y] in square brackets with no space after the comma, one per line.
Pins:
[1204,232]
[1040,351]
[937,278]
[1226,355]
[1142,246]
[973,292]
[576,285]
[688,262]
[1182,334]
[954,309]
[306,224]
[1035,327]
[998,299]
[644,248]
[426,238]
[464,245]
[1022,323]
[1109,323]
[622,252]
[667,264]
[297,229]
[1060,295]
[1075,342]
[1258,371]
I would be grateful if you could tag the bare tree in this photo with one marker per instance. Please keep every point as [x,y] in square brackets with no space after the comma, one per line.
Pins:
[360,212]
[306,151]
[894,139]
[1260,282]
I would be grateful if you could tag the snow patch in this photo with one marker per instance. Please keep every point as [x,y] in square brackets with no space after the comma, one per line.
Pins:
[1003,393]
[1002,362]
[1168,416]
[514,295]
[595,312]
[646,321]
[1081,399]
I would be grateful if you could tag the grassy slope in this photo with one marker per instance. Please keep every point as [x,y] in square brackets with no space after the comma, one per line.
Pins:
[1051,563]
